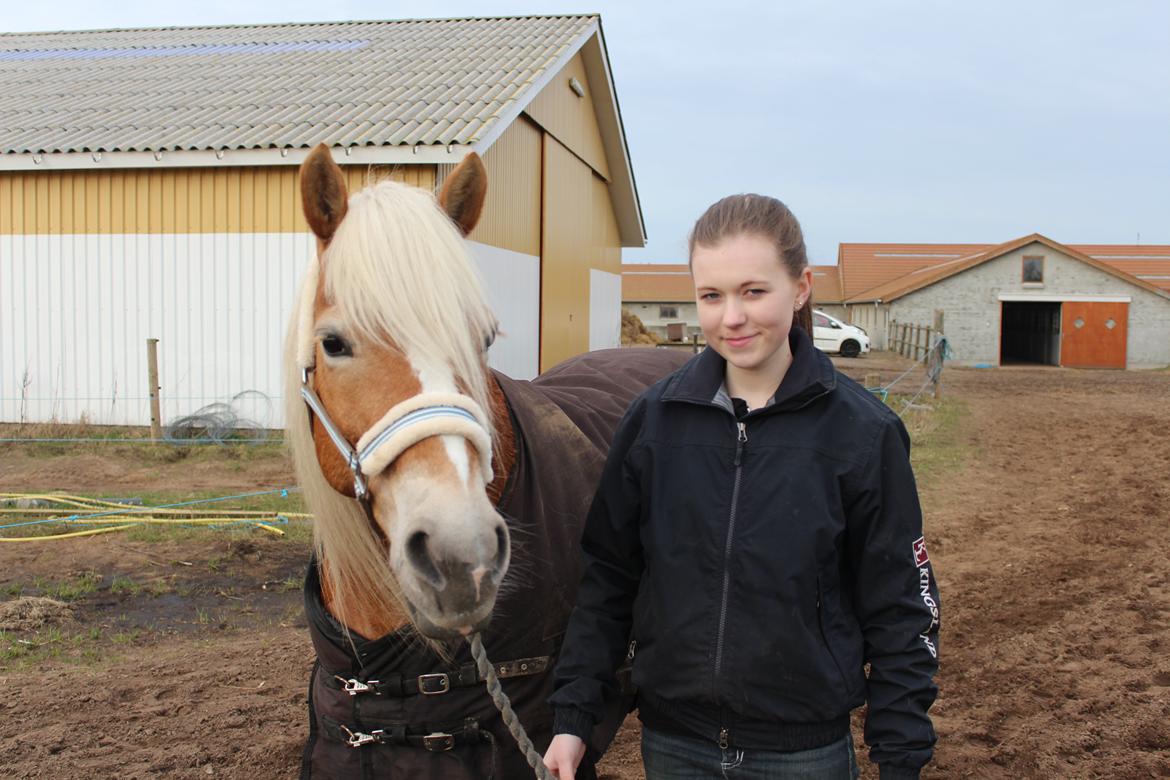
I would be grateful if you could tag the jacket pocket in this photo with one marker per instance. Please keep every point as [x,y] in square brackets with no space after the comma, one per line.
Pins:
[826,641]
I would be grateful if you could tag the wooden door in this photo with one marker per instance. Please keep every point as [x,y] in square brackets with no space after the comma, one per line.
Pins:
[1093,334]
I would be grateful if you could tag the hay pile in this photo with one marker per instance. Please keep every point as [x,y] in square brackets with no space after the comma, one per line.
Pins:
[634,332]
[31,612]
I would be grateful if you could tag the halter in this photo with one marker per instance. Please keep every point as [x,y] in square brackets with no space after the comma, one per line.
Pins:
[406,424]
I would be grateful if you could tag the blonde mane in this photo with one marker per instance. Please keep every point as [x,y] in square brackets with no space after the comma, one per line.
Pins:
[400,274]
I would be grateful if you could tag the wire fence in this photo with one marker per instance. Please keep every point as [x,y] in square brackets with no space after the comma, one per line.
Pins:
[219,423]
[932,360]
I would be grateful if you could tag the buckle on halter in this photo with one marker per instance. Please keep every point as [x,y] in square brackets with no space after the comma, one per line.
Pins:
[434,684]
[439,742]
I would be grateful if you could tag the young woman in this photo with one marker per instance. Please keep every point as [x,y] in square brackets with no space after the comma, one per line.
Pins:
[757,534]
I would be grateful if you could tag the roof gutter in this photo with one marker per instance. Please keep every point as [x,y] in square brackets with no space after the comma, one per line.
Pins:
[421,154]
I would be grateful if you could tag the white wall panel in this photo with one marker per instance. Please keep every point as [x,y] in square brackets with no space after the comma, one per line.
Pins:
[605,309]
[76,310]
[512,282]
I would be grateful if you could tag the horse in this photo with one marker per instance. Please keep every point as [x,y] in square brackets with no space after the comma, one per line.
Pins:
[448,498]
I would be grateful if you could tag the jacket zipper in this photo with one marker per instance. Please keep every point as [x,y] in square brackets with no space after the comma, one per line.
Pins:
[740,441]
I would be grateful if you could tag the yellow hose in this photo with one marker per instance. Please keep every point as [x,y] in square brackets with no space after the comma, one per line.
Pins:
[132,517]
[90,532]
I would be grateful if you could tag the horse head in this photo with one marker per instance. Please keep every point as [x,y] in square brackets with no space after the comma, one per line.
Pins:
[390,404]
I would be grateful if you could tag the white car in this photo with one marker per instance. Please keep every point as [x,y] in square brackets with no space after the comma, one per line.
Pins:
[832,335]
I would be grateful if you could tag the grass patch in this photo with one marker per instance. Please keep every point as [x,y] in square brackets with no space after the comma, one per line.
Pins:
[125,585]
[126,637]
[134,442]
[68,590]
[938,445]
[52,644]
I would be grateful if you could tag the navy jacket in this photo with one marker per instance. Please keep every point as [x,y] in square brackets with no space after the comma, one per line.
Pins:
[759,561]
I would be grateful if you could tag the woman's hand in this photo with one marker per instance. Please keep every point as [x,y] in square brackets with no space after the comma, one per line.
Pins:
[564,755]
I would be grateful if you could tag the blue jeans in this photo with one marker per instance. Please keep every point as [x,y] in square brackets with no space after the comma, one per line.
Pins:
[673,757]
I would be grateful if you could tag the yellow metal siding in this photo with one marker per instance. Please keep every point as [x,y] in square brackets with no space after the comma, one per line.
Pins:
[569,118]
[511,214]
[607,239]
[580,233]
[184,200]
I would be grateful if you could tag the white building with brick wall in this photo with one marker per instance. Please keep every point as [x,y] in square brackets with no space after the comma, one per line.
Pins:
[1031,300]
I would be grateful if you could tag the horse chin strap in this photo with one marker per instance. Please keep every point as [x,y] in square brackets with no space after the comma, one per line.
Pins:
[406,424]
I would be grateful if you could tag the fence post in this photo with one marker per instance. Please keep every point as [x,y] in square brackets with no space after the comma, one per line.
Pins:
[152,381]
[905,352]
[938,332]
[891,329]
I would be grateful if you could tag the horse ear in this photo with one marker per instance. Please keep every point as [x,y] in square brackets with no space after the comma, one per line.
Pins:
[464,191]
[323,194]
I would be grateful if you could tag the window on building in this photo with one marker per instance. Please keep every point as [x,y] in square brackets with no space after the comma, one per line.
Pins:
[668,312]
[1033,269]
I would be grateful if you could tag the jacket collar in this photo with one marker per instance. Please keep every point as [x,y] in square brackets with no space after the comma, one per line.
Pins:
[811,375]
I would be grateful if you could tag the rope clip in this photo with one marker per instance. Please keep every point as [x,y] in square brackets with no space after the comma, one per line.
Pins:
[358,739]
[353,687]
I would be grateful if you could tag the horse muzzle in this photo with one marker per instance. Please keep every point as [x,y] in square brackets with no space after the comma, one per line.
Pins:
[451,579]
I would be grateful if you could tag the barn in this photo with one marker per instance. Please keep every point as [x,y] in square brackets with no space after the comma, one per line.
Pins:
[148,191]
[1031,300]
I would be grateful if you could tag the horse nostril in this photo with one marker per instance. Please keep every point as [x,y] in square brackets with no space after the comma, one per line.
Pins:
[501,549]
[420,558]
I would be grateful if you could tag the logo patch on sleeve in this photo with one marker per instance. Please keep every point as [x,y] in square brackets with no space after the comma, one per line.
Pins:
[920,556]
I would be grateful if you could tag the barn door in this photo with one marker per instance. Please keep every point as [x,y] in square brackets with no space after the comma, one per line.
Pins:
[1093,334]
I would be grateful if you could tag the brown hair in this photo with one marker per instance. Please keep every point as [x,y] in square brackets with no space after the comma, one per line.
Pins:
[757,215]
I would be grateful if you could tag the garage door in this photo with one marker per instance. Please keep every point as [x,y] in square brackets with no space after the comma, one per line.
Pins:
[1093,334]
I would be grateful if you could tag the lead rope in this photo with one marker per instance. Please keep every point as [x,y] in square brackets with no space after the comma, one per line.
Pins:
[500,699]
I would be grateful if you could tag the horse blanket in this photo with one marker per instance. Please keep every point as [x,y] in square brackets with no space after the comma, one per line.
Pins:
[421,718]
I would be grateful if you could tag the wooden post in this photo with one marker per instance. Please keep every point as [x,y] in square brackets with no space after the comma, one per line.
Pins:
[695,343]
[152,380]
[918,341]
[905,351]
[891,329]
[938,332]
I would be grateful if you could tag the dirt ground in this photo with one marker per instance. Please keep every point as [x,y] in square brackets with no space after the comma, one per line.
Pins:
[1047,504]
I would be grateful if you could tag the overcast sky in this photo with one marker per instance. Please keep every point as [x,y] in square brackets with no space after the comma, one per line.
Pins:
[924,121]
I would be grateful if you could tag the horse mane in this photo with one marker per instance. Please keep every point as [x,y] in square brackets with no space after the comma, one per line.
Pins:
[400,274]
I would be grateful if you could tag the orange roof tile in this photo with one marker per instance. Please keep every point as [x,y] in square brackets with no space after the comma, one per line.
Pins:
[1148,262]
[865,266]
[657,283]
[929,274]
[826,284]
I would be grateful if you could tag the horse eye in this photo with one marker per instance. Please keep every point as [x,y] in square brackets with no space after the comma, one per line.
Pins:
[335,346]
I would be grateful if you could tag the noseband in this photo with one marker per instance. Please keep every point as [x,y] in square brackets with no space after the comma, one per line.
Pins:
[417,418]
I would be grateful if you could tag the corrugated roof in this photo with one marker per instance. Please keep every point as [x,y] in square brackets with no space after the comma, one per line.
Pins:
[826,284]
[871,271]
[927,275]
[1148,262]
[657,283]
[291,85]
[865,266]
